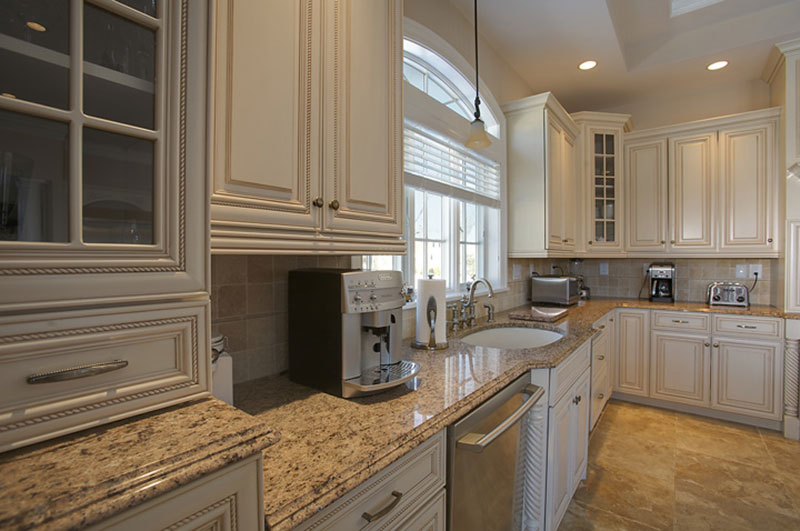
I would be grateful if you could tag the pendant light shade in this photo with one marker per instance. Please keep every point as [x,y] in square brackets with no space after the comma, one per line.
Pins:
[477,135]
[477,131]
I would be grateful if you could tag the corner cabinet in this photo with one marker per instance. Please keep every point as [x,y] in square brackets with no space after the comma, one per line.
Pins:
[706,188]
[104,266]
[543,212]
[307,140]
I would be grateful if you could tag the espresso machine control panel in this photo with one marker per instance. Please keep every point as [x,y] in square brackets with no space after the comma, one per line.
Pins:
[372,291]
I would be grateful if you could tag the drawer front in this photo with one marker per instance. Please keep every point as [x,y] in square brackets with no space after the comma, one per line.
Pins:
[563,376]
[600,352]
[600,395]
[746,326]
[690,322]
[431,517]
[155,356]
[403,487]
[231,498]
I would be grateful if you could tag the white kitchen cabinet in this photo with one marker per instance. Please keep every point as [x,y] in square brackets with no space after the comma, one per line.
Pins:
[633,352]
[308,137]
[747,377]
[600,178]
[569,440]
[692,186]
[230,498]
[602,345]
[645,195]
[705,188]
[542,204]
[679,367]
[104,276]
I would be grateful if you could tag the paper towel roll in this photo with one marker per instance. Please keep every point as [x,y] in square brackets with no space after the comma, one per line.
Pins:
[427,288]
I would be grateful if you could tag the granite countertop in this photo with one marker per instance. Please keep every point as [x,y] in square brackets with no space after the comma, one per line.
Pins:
[81,479]
[330,445]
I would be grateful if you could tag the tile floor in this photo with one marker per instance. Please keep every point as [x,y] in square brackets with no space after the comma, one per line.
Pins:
[656,469]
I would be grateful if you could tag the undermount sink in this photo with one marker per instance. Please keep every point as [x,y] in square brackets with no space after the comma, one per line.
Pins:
[512,337]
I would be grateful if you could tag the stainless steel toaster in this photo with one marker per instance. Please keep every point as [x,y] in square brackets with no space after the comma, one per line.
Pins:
[555,289]
[728,294]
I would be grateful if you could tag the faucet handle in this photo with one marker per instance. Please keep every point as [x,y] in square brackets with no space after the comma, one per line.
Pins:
[489,311]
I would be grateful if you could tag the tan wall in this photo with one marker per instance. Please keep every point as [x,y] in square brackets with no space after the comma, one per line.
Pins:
[674,106]
[446,21]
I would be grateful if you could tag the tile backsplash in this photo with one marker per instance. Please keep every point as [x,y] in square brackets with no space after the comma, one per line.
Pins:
[249,296]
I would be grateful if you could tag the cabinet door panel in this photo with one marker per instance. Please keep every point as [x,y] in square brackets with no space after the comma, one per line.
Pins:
[362,161]
[555,168]
[746,378]
[679,368]
[646,193]
[633,352]
[580,431]
[558,473]
[747,201]
[264,173]
[691,198]
[569,210]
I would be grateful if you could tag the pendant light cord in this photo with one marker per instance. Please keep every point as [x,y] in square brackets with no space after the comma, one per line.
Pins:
[477,95]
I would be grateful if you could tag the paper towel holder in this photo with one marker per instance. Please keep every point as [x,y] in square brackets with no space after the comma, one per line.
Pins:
[432,315]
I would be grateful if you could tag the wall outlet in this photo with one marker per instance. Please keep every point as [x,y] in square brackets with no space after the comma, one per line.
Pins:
[516,272]
[756,268]
[741,271]
[604,268]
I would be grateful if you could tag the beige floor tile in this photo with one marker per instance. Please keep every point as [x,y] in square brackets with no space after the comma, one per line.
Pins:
[640,421]
[618,449]
[634,496]
[723,440]
[784,452]
[713,493]
[580,517]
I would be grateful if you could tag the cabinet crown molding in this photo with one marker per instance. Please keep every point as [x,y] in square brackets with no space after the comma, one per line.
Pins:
[545,99]
[604,118]
[706,124]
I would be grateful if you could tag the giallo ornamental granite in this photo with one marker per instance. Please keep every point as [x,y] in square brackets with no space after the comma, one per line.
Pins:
[76,481]
[330,445]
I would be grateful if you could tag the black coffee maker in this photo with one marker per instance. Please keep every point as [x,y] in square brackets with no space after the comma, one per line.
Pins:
[661,281]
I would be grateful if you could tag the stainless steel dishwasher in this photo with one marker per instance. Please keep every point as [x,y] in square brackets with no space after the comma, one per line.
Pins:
[486,455]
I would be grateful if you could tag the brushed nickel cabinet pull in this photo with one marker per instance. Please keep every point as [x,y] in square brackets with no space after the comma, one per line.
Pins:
[601,357]
[318,202]
[680,321]
[81,371]
[334,204]
[748,327]
[383,512]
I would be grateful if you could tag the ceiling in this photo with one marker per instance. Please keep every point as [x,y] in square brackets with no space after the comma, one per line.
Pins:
[639,47]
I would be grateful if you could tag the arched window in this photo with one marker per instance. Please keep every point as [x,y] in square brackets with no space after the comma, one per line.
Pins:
[454,196]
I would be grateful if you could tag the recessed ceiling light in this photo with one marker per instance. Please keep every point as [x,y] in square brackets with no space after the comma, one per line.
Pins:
[587,65]
[35,26]
[717,65]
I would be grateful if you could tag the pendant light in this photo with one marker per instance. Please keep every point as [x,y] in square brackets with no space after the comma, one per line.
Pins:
[477,132]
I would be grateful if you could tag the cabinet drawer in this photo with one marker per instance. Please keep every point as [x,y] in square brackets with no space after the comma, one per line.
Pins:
[600,353]
[563,376]
[155,356]
[431,517]
[746,326]
[695,322]
[404,486]
[600,395]
[231,498]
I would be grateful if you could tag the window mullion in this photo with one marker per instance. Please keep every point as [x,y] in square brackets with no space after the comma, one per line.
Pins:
[76,124]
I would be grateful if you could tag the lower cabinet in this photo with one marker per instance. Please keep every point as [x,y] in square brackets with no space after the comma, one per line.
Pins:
[746,377]
[231,499]
[409,494]
[633,352]
[602,348]
[679,367]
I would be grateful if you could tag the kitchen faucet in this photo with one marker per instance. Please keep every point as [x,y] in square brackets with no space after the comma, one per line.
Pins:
[464,310]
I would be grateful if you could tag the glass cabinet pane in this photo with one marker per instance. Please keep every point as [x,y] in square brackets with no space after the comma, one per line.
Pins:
[609,144]
[610,236]
[34,51]
[609,166]
[119,68]
[145,6]
[598,144]
[598,166]
[598,232]
[117,188]
[34,179]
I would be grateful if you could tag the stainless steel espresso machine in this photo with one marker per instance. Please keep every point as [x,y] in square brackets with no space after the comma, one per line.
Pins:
[661,282]
[346,331]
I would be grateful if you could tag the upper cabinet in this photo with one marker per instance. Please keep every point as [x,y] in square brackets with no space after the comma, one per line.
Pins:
[543,209]
[103,213]
[308,127]
[601,179]
[707,187]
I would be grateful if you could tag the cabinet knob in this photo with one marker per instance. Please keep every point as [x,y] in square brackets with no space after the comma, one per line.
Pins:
[672,242]
[318,202]
[590,242]
[576,400]
[601,396]
[564,240]
[601,357]
[716,345]
[707,344]
[611,319]
[664,241]
[334,204]
[769,240]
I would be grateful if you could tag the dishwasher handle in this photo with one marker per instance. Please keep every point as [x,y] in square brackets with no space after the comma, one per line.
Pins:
[477,442]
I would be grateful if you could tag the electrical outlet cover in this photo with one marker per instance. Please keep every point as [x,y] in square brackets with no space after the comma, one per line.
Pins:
[756,268]
[604,268]
[516,271]
[741,271]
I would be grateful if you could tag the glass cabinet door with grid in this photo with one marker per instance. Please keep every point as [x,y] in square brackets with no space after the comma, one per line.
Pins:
[601,136]
[103,210]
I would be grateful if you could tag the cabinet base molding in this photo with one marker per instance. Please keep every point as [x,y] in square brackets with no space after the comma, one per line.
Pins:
[791,428]
[694,410]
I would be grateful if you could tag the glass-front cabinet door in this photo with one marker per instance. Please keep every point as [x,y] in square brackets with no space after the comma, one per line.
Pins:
[101,148]
[605,214]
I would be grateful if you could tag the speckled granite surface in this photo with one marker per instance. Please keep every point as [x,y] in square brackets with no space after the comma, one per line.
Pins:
[78,480]
[330,445]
